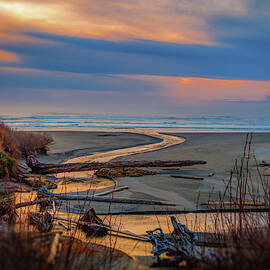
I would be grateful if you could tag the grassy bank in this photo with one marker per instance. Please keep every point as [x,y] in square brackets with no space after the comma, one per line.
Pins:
[16,144]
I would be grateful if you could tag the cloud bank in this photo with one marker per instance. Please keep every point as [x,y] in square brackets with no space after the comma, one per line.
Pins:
[66,55]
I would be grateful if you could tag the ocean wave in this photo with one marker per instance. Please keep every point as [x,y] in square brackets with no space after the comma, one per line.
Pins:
[192,122]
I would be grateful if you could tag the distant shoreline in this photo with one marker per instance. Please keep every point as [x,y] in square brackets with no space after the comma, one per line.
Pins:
[120,129]
[183,123]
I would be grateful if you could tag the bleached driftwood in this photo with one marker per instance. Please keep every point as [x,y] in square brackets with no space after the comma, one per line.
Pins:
[45,193]
[181,242]
[111,191]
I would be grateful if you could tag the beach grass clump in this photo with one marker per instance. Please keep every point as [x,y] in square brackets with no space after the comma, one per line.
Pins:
[8,165]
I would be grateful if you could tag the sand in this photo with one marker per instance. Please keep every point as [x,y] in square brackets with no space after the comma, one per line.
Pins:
[219,150]
[72,144]
[166,141]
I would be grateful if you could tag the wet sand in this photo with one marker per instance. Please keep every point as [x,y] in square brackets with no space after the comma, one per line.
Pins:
[219,150]
[77,143]
[166,140]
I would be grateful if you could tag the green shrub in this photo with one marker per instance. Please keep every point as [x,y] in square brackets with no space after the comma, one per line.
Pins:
[7,164]
[7,142]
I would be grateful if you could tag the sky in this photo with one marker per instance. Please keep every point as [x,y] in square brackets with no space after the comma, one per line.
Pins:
[145,57]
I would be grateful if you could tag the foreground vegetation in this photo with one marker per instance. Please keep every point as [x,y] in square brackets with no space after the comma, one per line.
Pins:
[7,164]
[16,144]
[247,245]
[244,237]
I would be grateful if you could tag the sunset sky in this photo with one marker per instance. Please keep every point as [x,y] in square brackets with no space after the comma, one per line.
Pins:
[135,56]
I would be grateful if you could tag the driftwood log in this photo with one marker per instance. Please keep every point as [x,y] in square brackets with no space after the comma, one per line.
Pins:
[43,168]
[111,191]
[184,212]
[187,177]
[43,192]
[95,226]
[244,203]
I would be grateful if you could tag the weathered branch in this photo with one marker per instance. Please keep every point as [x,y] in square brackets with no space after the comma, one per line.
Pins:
[38,201]
[10,209]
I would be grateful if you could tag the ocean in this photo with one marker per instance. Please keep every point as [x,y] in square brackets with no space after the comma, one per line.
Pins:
[184,123]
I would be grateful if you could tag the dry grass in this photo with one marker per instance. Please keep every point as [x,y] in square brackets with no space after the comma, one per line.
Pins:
[8,143]
[16,144]
[19,253]
[22,143]
[27,251]
[248,244]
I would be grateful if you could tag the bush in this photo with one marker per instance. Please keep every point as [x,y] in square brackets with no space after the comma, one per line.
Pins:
[22,143]
[7,165]
[30,143]
[7,142]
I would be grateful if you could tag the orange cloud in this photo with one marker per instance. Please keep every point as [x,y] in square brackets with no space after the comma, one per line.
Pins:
[8,57]
[220,89]
[171,21]
[190,90]
[22,70]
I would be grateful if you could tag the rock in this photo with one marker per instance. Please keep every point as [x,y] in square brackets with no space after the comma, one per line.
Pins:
[91,217]
[111,173]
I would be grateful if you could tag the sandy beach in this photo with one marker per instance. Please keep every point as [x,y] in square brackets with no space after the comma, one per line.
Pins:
[70,144]
[219,150]
[134,135]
